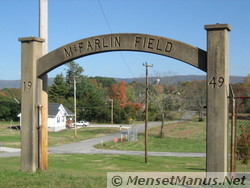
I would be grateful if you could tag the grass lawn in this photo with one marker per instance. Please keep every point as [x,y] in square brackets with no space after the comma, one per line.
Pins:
[85,133]
[187,136]
[9,137]
[82,170]
[12,137]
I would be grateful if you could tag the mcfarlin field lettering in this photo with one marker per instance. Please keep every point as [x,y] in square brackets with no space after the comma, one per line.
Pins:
[153,44]
[93,44]
[134,42]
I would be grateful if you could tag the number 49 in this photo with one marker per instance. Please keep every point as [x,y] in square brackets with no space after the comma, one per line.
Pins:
[220,81]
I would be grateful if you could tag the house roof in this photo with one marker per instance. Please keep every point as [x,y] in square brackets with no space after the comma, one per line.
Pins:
[53,109]
[68,111]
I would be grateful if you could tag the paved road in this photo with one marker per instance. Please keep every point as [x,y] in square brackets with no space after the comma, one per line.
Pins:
[87,146]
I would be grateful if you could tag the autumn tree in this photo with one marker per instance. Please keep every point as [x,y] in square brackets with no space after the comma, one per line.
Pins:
[118,93]
[124,110]
[243,90]
[243,146]
[195,96]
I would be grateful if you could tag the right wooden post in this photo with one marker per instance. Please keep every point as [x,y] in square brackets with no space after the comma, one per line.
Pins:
[217,96]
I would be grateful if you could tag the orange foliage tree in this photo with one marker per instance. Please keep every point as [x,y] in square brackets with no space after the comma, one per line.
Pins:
[124,110]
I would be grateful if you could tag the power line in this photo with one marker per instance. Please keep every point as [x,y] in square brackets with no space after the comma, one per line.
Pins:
[107,22]
[127,64]
[105,17]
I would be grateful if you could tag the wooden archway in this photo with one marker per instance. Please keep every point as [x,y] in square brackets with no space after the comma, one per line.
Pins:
[34,92]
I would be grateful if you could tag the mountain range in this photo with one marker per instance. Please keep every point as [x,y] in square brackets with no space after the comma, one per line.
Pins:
[166,79]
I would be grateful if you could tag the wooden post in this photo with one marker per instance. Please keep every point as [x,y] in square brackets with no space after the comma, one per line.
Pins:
[31,52]
[43,129]
[217,96]
[43,33]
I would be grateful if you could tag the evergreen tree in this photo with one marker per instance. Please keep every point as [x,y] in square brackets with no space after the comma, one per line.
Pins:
[59,90]
[74,71]
[92,101]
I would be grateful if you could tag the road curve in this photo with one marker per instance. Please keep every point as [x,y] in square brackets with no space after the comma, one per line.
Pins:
[87,146]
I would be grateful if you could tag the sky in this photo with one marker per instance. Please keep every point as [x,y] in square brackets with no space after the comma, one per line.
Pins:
[71,20]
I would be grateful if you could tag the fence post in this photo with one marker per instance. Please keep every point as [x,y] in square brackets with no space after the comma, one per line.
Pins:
[233,136]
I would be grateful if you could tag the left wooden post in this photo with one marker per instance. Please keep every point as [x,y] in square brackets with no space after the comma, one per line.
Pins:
[31,94]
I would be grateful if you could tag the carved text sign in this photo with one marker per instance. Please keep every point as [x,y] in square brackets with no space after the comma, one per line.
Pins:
[123,42]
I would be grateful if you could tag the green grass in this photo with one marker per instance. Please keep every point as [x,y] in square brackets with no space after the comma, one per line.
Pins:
[187,136]
[9,137]
[12,137]
[81,170]
[67,136]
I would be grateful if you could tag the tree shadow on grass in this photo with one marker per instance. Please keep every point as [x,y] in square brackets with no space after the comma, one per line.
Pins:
[17,127]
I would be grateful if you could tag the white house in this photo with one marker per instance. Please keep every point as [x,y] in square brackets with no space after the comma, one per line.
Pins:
[57,117]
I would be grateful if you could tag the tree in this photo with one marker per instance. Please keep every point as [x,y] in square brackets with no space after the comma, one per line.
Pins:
[10,103]
[92,101]
[59,90]
[165,98]
[247,79]
[195,96]
[119,93]
[136,92]
[243,147]
[124,110]
[243,90]
[9,110]
[74,71]
[104,81]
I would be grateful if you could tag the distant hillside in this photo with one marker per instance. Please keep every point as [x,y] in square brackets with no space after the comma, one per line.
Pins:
[167,79]
[179,78]
[17,83]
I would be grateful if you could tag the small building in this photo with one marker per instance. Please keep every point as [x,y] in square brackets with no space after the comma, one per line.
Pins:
[57,117]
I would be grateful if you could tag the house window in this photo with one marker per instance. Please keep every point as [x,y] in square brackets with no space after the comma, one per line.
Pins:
[63,119]
[58,119]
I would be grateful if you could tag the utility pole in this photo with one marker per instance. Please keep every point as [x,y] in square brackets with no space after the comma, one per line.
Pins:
[43,107]
[75,105]
[43,24]
[112,110]
[146,113]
